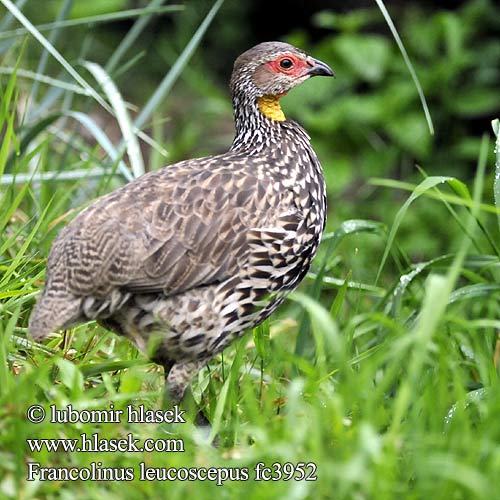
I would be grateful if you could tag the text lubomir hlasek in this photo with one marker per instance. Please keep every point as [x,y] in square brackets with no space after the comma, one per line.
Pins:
[132,414]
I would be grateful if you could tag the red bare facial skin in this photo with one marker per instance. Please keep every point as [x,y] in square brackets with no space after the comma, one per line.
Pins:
[299,68]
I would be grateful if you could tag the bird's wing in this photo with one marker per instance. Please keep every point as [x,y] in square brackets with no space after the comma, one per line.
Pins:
[172,230]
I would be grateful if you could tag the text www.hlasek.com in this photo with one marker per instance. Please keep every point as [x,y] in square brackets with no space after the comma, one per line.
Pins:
[94,444]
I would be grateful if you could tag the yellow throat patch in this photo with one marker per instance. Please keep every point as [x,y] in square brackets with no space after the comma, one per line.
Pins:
[269,105]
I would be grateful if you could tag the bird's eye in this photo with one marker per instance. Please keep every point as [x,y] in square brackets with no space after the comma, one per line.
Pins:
[286,63]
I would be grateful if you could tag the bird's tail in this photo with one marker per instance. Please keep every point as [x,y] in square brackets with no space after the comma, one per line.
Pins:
[53,311]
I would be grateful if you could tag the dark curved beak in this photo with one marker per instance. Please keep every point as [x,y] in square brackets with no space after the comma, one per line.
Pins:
[318,68]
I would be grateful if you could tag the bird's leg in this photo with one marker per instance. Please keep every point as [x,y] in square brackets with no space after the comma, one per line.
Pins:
[178,377]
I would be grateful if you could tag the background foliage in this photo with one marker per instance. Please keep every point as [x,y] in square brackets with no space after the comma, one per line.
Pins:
[383,368]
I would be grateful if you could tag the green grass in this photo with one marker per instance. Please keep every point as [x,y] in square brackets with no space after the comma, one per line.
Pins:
[381,370]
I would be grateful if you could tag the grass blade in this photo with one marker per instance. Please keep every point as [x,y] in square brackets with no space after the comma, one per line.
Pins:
[54,52]
[103,141]
[39,77]
[177,68]
[408,63]
[340,298]
[425,185]
[42,64]
[435,194]
[496,187]
[101,18]
[122,116]
[73,175]
[474,291]
[9,18]
[154,8]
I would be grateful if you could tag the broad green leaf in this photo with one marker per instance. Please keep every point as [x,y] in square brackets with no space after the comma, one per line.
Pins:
[368,55]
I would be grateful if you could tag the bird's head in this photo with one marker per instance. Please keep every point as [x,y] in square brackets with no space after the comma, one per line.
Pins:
[269,70]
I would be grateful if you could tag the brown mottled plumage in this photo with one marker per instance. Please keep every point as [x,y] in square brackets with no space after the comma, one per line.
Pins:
[185,259]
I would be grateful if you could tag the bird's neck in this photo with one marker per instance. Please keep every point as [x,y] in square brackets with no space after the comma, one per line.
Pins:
[259,122]
[269,106]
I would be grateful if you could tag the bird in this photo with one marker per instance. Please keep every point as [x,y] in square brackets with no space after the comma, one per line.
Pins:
[185,259]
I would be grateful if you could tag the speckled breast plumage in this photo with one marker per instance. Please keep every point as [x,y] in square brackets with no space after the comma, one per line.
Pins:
[267,248]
